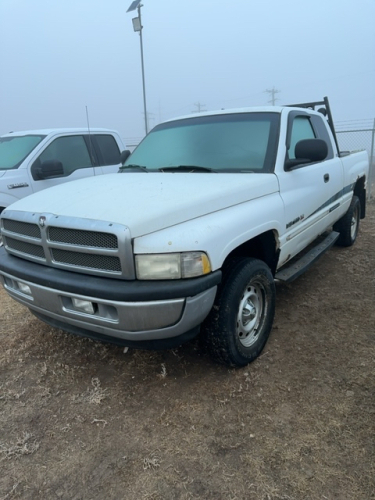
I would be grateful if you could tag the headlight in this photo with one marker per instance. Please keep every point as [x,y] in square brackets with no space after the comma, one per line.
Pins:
[171,266]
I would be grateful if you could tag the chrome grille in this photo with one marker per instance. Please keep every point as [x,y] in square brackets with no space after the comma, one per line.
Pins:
[25,248]
[82,238]
[86,260]
[100,248]
[24,228]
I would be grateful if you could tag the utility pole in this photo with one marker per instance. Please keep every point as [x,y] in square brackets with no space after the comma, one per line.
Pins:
[199,106]
[137,27]
[273,92]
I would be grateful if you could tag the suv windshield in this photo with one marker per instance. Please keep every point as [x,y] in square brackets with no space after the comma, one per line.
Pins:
[14,149]
[238,142]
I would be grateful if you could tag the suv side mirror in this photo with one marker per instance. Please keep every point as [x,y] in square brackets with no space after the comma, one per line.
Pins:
[124,156]
[308,151]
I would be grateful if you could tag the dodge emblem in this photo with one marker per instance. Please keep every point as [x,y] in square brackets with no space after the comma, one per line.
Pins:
[42,221]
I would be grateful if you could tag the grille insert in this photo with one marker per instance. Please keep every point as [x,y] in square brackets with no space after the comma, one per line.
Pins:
[24,228]
[25,248]
[86,260]
[83,238]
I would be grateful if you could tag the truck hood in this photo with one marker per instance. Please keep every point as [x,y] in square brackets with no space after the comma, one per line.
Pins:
[148,202]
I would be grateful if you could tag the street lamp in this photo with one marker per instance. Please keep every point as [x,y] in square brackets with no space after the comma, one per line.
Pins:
[137,26]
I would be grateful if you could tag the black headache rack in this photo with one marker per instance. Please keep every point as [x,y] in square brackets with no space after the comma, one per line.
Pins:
[326,111]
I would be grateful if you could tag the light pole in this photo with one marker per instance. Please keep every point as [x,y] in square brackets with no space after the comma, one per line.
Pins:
[137,26]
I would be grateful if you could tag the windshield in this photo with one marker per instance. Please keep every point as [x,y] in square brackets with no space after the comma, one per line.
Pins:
[238,142]
[14,149]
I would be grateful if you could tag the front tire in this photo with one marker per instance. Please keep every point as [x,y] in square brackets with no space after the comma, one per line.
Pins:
[348,225]
[241,319]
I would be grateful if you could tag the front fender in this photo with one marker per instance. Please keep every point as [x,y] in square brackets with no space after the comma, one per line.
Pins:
[218,233]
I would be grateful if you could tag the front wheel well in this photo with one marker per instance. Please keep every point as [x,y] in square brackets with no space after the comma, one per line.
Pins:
[263,247]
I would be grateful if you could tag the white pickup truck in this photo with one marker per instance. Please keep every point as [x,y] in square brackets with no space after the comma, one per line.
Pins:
[206,213]
[37,159]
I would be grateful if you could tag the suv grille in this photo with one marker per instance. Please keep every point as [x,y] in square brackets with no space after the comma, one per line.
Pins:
[79,245]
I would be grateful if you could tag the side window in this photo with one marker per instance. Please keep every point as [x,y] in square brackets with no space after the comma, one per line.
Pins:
[70,150]
[301,129]
[322,132]
[109,152]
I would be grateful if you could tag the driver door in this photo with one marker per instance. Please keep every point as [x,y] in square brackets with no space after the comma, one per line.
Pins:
[309,192]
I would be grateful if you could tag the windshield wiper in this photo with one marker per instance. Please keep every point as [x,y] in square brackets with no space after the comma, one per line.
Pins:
[132,168]
[186,168]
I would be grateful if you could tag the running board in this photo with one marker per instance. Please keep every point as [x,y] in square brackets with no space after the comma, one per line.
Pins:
[295,269]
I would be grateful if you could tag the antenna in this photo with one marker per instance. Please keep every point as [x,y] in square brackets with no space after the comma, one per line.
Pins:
[88,128]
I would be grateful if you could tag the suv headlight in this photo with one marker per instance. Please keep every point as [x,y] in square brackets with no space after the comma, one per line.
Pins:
[171,266]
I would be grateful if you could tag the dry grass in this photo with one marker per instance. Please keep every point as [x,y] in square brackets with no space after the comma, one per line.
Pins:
[23,445]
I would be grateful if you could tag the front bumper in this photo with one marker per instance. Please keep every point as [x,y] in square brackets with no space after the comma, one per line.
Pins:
[133,311]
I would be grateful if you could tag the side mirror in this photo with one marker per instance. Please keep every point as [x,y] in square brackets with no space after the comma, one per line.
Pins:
[308,151]
[124,156]
[50,168]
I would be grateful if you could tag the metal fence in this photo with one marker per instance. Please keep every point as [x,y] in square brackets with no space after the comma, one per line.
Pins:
[358,140]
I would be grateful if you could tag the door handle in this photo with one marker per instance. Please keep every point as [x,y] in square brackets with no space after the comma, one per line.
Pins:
[326,177]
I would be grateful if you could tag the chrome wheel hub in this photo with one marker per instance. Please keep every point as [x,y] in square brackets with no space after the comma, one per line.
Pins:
[354,224]
[250,313]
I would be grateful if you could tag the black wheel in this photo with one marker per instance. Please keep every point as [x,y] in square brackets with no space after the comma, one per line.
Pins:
[348,225]
[241,319]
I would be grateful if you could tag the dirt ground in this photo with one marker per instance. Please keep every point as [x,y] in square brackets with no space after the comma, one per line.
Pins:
[82,420]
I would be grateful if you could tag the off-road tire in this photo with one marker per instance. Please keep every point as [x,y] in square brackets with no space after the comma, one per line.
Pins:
[348,225]
[240,322]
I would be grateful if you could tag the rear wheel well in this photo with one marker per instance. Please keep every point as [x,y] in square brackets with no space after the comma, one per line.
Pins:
[262,247]
[360,191]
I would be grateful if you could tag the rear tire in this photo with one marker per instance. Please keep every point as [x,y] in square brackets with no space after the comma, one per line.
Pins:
[241,319]
[348,225]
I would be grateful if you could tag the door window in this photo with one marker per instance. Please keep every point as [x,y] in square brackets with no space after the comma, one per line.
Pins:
[301,129]
[71,151]
[109,152]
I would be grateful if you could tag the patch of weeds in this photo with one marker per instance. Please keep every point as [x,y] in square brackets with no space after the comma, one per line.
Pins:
[93,396]
[151,462]
[24,445]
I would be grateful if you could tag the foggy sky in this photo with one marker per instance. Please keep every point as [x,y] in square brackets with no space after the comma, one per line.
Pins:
[59,56]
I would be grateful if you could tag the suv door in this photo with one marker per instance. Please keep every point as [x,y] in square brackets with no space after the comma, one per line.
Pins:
[310,192]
